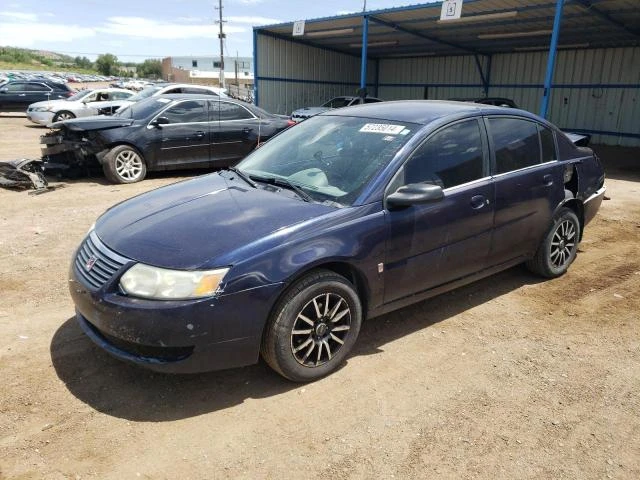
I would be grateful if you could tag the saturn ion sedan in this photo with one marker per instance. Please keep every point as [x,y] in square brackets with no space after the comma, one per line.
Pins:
[344,217]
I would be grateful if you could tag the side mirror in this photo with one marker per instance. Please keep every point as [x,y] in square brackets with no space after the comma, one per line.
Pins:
[415,194]
[158,122]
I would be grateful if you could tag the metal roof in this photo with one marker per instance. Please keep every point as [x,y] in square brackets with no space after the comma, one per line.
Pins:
[486,27]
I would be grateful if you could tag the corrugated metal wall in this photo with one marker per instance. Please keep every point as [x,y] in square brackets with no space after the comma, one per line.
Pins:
[292,75]
[595,90]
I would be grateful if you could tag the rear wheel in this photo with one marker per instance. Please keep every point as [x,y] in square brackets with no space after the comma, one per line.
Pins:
[313,327]
[63,115]
[559,246]
[124,164]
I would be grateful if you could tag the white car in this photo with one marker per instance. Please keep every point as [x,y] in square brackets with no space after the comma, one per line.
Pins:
[83,104]
[110,108]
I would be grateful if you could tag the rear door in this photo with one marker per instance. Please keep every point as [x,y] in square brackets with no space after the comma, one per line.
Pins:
[529,185]
[235,132]
[185,140]
[429,245]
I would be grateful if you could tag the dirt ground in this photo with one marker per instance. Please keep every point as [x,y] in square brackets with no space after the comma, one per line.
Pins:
[508,378]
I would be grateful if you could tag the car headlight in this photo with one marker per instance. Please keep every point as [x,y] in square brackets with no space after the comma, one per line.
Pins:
[41,109]
[162,284]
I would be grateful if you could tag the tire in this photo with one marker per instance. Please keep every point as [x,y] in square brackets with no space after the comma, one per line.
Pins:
[307,337]
[559,246]
[124,164]
[63,115]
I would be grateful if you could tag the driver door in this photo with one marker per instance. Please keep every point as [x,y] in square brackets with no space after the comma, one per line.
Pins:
[436,243]
[185,140]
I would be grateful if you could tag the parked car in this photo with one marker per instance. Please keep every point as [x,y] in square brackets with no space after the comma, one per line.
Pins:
[349,215]
[337,102]
[83,104]
[166,133]
[495,101]
[110,108]
[17,95]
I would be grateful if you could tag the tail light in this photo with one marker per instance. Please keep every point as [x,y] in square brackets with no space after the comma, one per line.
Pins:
[290,123]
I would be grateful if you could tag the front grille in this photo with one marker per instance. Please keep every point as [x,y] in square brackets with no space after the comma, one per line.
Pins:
[95,263]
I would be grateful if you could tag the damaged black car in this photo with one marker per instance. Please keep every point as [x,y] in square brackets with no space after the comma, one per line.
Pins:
[161,133]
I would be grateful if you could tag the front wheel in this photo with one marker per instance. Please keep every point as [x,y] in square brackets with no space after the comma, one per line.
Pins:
[124,164]
[63,115]
[313,327]
[559,246]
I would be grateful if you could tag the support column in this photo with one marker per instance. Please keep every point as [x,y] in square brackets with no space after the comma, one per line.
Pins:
[365,39]
[551,61]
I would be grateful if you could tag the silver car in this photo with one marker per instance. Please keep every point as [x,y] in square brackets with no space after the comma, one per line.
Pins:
[110,108]
[83,104]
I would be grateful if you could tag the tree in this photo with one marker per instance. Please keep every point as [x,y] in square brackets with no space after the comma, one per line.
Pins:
[83,62]
[150,68]
[107,64]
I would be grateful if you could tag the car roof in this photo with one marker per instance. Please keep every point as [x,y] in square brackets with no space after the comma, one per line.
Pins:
[421,111]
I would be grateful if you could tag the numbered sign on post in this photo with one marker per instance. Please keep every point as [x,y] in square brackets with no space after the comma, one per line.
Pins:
[298,28]
[451,9]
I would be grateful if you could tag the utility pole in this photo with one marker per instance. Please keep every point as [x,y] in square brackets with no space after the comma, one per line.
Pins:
[364,7]
[221,36]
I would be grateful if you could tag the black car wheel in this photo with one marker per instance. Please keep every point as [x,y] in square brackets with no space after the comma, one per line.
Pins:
[63,115]
[124,164]
[559,246]
[313,327]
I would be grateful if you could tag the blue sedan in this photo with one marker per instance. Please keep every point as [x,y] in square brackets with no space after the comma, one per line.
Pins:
[346,216]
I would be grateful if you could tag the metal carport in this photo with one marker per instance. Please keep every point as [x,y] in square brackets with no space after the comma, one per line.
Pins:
[498,48]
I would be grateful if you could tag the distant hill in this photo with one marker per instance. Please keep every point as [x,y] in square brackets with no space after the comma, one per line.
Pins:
[13,58]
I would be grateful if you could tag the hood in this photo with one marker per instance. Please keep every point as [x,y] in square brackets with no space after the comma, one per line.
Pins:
[309,111]
[47,103]
[98,122]
[201,222]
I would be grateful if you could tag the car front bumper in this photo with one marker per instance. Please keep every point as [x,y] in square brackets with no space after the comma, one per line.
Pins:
[175,336]
[41,118]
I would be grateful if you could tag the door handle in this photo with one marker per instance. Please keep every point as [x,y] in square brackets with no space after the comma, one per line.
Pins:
[198,134]
[246,130]
[479,201]
[548,180]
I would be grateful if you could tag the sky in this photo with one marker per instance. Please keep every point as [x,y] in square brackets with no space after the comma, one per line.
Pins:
[134,30]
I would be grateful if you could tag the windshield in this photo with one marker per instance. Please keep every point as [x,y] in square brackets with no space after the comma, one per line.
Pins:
[338,102]
[146,93]
[79,96]
[143,109]
[332,158]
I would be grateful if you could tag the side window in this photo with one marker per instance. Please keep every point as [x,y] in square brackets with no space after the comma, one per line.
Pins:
[91,98]
[451,157]
[515,142]
[37,87]
[119,95]
[187,112]
[16,87]
[548,144]
[228,111]
[371,100]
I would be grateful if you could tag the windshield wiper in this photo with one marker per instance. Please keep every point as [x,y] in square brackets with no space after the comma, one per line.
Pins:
[243,176]
[283,182]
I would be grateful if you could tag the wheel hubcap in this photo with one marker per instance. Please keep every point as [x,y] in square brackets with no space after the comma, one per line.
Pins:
[563,243]
[320,329]
[128,165]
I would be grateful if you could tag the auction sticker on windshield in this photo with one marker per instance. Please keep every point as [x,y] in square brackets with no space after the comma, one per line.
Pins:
[384,128]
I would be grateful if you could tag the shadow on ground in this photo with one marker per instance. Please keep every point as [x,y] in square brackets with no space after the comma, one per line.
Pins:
[620,163]
[125,391]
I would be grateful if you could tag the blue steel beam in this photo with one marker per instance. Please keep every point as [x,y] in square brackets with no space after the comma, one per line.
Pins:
[551,61]
[365,41]
[589,6]
[431,38]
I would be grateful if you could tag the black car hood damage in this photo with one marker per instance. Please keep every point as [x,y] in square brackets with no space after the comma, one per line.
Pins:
[197,223]
[93,123]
